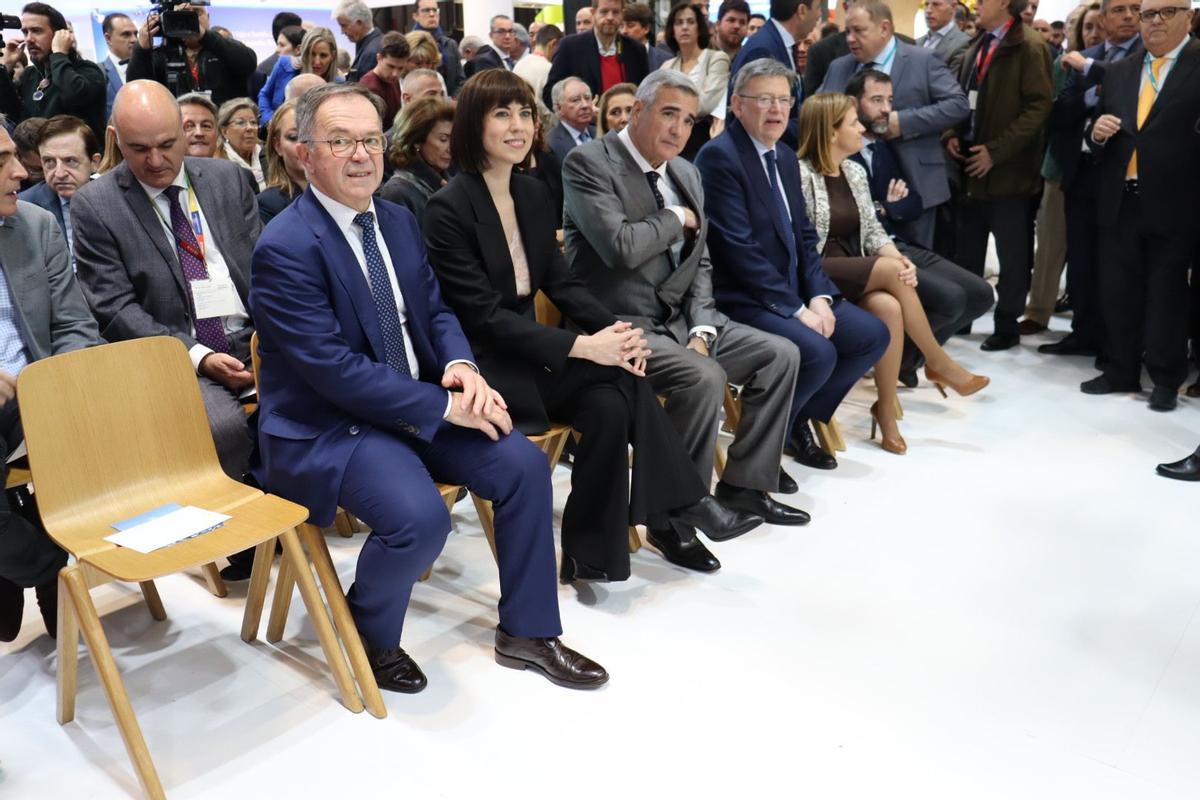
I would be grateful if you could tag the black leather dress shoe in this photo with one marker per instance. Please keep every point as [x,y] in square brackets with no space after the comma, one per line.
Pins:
[908,377]
[761,503]
[787,484]
[1186,470]
[1102,384]
[572,570]
[560,664]
[804,448]
[718,522]
[1000,341]
[1163,398]
[683,548]
[395,670]
[12,606]
[1070,345]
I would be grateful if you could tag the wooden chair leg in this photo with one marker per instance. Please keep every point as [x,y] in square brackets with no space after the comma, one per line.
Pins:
[719,461]
[829,436]
[487,518]
[335,598]
[835,430]
[320,619]
[110,679]
[343,525]
[899,409]
[256,595]
[635,541]
[68,654]
[153,601]
[281,602]
[426,575]
[216,584]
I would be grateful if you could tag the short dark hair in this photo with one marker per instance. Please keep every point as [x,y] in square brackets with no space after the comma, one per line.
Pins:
[702,36]
[829,29]
[107,25]
[786,9]
[483,91]
[728,6]
[758,16]
[639,13]
[57,20]
[547,34]
[1015,7]
[293,33]
[393,45]
[284,19]
[60,124]
[414,123]
[857,85]
[1058,25]
[28,133]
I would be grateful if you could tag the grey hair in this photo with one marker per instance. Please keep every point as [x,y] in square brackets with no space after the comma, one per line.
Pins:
[471,43]
[309,103]
[354,10]
[560,88]
[421,73]
[655,82]
[522,34]
[230,107]
[762,68]
[198,99]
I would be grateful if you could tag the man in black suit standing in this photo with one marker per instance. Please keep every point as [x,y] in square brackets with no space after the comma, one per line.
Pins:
[1147,140]
[602,57]
[498,53]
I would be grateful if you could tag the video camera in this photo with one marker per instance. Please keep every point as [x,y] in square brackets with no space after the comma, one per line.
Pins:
[174,23]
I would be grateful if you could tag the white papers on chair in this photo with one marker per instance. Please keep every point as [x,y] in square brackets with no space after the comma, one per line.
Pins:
[160,530]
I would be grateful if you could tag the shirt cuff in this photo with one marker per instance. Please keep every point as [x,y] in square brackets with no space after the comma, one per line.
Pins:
[1087,65]
[678,211]
[197,353]
[449,394]
[796,314]
[709,329]
[828,298]
[449,404]
[470,364]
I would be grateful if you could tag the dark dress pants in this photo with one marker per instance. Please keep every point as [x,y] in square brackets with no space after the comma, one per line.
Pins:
[952,297]
[1083,256]
[613,409]
[829,367]
[1143,285]
[388,484]
[27,555]
[1006,218]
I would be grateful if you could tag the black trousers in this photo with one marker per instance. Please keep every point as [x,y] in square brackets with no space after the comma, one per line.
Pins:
[1083,257]
[27,556]
[1006,218]
[613,409]
[952,297]
[1144,291]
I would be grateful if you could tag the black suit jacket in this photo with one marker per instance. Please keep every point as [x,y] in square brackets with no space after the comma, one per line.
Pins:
[486,58]
[1168,145]
[469,253]
[578,55]
[885,167]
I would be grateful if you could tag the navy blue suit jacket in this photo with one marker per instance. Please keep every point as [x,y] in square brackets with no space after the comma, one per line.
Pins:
[40,194]
[324,380]
[885,167]
[753,265]
[767,43]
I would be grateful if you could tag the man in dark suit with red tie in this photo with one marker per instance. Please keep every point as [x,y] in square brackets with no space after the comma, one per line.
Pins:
[370,393]
[1147,140]
[601,57]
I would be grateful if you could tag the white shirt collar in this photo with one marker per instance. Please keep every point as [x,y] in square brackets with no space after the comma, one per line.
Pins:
[1125,45]
[575,132]
[762,148]
[611,49]
[642,163]
[788,40]
[343,215]
[1173,54]
[944,31]
[154,192]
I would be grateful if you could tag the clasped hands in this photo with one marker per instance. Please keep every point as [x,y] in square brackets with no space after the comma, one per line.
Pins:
[618,345]
[818,315]
[477,405]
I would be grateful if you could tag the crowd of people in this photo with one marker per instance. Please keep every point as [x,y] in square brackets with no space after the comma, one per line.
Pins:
[756,203]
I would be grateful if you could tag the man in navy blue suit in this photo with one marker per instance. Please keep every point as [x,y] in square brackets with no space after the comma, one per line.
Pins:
[790,22]
[766,270]
[120,34]
[370,393]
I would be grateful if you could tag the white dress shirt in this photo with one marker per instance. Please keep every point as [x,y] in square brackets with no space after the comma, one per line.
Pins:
[611,50]
[934,38]
[116,62]
[214,262]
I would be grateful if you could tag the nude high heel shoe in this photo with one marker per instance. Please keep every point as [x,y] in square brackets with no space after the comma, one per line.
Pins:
[895,445]
[968,387]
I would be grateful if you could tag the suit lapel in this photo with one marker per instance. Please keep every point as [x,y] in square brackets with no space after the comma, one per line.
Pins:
[493,245]
[899,63]
[152,223]
[19,261]
[760,187]
[1179,77]
[535,256]
[214,213]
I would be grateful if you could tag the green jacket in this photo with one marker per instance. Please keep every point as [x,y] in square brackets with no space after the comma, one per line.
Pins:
[1013,106]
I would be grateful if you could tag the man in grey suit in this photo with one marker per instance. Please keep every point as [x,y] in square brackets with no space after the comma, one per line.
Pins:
[42,313]
[635,230]
[943,37]
[928,100]
[163,246]
[572,100]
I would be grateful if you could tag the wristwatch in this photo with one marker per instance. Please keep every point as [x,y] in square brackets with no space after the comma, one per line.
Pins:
[706,337]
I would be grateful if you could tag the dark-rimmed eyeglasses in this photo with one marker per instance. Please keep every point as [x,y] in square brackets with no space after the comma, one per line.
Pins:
[1167,13]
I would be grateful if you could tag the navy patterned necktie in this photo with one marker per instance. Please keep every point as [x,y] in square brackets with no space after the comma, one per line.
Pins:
[652,177]
[781,212]
[210,331]
[385,300]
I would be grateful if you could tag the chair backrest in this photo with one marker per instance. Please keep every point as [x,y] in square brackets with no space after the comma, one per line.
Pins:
[114,431]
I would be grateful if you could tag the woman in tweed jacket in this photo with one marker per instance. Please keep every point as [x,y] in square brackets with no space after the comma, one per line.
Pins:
[860,258]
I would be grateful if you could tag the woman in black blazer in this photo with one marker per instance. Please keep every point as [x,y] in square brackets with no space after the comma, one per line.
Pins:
[491,240]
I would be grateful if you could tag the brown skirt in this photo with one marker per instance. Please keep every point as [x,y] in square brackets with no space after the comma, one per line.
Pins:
[850,274]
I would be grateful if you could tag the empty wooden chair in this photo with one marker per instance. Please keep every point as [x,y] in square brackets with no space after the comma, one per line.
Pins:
[115,431]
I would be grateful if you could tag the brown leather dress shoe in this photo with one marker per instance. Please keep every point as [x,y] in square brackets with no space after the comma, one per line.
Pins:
[560,664]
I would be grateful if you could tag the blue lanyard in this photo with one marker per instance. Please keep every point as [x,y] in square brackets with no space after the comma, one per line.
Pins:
[1150,71]
[886,64]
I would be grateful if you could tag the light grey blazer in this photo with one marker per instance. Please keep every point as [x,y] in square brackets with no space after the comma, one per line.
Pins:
[129,267]
[51,311]
[713,68]
[619,240]
[872,236]
[929,100]
[951,48]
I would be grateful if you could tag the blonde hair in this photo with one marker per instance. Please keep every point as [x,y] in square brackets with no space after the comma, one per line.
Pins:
[277,174]
[423,46]
[311,40]
[112,154]
[820,116]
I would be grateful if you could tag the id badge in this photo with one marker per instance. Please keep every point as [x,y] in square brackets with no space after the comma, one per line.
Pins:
[973,98]
[215,297]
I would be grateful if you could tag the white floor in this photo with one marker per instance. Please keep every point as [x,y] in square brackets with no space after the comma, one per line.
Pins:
[1009,611]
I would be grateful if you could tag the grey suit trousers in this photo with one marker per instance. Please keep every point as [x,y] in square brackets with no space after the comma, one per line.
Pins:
[763,364]
[226,416]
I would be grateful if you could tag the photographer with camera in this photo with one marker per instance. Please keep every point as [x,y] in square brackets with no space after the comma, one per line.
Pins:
[58,80]
[191,57]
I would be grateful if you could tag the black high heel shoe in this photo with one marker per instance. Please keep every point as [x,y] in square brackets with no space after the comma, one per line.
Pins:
[572,570]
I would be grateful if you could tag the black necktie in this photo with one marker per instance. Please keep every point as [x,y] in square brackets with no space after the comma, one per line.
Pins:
[123,62]
[781,211]
[652,177]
